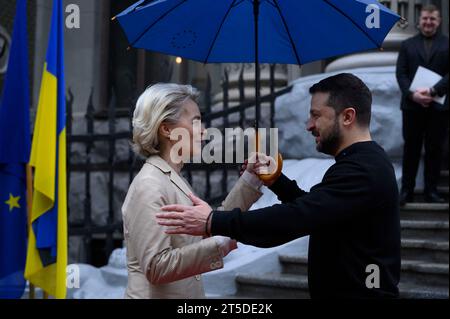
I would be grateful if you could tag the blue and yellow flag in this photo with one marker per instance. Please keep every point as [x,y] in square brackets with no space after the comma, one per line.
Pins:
[14,154]
[47,245]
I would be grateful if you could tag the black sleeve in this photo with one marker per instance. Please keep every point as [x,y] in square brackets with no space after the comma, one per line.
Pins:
[402,71]
[286,190]
[344,194]
[442,86]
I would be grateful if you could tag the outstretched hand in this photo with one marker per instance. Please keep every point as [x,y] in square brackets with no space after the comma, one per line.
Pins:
[259,163]
[184,219]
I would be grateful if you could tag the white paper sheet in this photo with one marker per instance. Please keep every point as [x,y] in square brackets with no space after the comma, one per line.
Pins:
[425,78]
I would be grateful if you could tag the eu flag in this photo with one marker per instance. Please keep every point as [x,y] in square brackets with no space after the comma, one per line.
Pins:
[14,154]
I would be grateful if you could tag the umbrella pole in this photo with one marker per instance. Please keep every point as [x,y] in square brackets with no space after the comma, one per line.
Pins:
[257,72]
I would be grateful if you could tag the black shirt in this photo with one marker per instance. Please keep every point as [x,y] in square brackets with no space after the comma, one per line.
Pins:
[427,43]
[352,218]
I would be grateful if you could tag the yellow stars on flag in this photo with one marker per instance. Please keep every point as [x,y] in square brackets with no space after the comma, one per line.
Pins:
[13,202]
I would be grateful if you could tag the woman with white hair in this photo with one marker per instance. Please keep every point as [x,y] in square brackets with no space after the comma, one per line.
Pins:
[161,265]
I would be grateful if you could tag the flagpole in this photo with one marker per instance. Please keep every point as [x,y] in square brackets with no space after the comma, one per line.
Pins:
[29,202]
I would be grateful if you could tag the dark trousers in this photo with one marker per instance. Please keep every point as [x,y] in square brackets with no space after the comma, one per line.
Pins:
[424,126]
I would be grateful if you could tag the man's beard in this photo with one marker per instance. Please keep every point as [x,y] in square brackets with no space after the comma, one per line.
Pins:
[329,143]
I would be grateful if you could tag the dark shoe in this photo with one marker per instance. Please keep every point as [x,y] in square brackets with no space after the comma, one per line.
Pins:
[433,197]
[406,197]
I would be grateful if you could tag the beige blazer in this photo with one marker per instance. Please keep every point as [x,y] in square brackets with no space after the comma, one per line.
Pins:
[161,265]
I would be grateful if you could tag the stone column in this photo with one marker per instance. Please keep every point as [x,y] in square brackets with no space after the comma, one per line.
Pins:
[84,54]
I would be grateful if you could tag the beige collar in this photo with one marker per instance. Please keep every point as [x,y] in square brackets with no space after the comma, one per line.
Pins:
[161,164]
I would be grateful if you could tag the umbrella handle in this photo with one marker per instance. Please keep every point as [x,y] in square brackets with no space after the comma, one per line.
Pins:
[268,178]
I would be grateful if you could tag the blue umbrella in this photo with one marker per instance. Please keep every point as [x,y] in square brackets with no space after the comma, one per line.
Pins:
[266,31]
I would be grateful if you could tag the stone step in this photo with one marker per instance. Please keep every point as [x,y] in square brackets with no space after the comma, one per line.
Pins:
[413,291]
[413,271]
[424,211]
[443,178]
[425,274]
[288,286]
[425,229]
[273,286]
[294,264]
[425,250]
[442,190]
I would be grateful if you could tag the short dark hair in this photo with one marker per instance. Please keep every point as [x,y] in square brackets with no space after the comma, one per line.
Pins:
[430,8]
[347,90]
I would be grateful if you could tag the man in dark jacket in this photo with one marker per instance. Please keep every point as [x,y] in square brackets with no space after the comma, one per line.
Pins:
[352,216]
[423,119]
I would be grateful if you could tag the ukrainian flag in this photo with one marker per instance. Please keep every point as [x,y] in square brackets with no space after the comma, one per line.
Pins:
[47,246]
